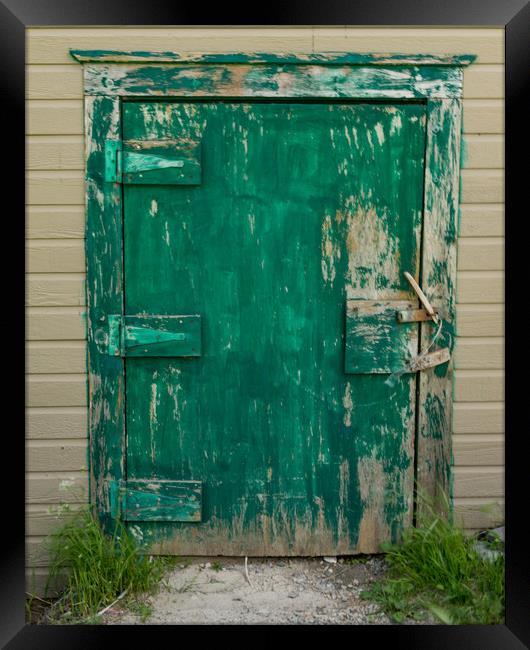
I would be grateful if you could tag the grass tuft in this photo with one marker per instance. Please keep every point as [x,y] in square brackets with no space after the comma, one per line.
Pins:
[99,568]
[436,569]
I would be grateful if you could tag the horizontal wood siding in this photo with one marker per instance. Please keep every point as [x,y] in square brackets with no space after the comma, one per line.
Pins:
[56,416]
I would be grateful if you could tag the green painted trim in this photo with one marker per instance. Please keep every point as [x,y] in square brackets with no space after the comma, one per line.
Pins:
[104,289]
[322,58]
[245,80]
[440,221]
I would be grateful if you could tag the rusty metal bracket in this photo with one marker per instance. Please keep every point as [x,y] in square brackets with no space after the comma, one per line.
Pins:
[414,315]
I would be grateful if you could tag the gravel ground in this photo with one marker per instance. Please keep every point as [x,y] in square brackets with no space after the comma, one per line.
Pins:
[217,591]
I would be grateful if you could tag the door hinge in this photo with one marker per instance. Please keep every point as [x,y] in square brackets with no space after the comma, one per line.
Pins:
[113,160]
[154,336]
[153,162]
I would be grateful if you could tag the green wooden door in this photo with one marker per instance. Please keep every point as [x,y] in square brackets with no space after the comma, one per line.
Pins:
[268,421]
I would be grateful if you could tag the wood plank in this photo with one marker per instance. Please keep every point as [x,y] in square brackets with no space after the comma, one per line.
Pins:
[57,487]
[106,387]
[476,353]
[55,256]
[480,286]
[36,582]
[481,253]
[54,82]
[55,289]
[478,449]
[483,115]
[482,186]
[56,455]
[374,341]
[55,222]
[483,82]
[479,386]
[44,519]
[289,80]
[477,513]
[56,390]
[152,500]
[478,481]
[439,271]
[54,152]
[52,357]
[54,117]
[482,220]
[37,552]
[66,187]
[51,45]
[480,320]
[55,323]
[487,44]
[483,151]
[58,422]
[478,417]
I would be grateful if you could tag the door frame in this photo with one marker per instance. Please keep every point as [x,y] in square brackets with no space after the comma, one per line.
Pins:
[113,76]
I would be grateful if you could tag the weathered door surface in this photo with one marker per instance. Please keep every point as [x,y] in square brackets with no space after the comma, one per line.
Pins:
[272,411]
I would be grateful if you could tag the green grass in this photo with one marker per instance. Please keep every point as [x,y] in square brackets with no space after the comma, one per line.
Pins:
[99,568]
[436,570]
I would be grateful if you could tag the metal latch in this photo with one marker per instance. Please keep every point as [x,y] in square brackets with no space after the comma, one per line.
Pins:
[425,359]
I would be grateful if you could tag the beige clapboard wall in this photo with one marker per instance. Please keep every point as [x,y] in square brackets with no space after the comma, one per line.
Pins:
[56,396]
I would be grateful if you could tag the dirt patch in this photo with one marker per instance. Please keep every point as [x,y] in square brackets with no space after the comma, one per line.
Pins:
[217,591]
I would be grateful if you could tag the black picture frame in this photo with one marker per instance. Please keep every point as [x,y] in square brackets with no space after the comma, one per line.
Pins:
[514,15]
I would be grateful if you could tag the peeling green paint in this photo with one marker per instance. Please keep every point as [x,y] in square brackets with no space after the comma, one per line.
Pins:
[322,58]
[362,491]
[301,206]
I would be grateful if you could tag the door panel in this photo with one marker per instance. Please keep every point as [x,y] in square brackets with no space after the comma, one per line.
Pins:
[300,209]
